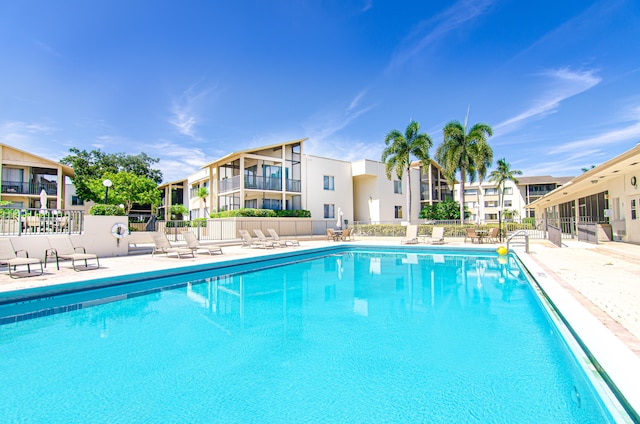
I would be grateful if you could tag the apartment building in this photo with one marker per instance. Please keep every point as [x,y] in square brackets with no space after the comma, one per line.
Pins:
[483,200]
[281,176]
[607,194]
[28,179]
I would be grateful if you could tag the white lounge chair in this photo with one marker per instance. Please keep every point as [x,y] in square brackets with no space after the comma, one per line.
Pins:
[287,242]
[248,241]
[162,245]
[411,236]
[194,244]
[437,236]
[9,257]
[63,249]
[263,239]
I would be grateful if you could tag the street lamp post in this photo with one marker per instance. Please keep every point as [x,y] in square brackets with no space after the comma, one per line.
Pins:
[106,184]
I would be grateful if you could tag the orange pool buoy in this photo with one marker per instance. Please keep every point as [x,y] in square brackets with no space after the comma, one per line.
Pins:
[502,250]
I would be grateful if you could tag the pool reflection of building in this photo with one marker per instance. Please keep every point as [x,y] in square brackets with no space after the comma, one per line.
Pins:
[278,300]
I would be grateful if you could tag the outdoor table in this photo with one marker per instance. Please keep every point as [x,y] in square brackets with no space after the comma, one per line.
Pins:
[482,234]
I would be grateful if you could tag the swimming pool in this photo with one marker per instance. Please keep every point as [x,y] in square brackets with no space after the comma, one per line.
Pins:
[345,335]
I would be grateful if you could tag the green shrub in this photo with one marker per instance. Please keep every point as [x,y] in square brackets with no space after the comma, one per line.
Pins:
[178,224]
[298,213]
[261,213]
[110,210]
[199,222]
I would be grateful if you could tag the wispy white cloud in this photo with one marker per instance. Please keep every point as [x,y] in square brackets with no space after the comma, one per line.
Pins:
[431,30]
[325,124]
[564,83]
[176,160]
[368,4]
[568,165]
[626,133]
[185,110]
[47,48]
[22,134]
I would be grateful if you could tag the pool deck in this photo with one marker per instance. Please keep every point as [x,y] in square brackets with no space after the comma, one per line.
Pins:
[603,278]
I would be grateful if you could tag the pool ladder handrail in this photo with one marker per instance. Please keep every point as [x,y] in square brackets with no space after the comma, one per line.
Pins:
[519,233]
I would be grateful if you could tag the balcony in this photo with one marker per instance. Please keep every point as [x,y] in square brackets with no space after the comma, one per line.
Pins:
[20,187]
[258,183]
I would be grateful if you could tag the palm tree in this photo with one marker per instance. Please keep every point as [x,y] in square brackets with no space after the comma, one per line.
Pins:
[467,152]
[500,176]
[203,193]
[400,148]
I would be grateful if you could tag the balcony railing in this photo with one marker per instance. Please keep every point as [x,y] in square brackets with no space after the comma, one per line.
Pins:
[20,187]
[258,183]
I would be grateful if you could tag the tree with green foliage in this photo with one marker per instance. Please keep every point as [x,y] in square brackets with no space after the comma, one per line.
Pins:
[500,176]
[400,148]
[93,166]
[127,189]
[449,209]
[466,152]
[178,211]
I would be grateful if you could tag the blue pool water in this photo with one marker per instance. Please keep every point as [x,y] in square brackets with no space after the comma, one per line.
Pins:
[358,336]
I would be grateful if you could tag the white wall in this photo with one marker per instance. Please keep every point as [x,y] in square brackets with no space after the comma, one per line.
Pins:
[374,198]
[314,196]
[96,238]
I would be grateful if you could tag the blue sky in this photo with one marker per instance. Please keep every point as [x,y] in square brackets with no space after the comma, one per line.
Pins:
[188,82]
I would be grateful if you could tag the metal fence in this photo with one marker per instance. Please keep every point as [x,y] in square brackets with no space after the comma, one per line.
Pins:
[25,222]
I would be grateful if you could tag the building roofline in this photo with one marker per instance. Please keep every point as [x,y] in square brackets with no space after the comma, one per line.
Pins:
[252,149]
[67,168]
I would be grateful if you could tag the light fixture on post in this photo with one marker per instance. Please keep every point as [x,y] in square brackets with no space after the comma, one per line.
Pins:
[106,184]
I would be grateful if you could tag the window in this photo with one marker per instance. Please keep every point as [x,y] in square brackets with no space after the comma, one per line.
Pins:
[508,190]
[470,192]
[490,216]
[397,187]
[273,204]
[397,212]
[507,203]
[470,204]
[251,203]
[329,211]
[491,204]
[76,201]
[490,191]
[328,182]
[634,209]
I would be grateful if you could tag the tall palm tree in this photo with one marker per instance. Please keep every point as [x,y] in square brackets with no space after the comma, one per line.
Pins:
[485,158]
[467,152]
[203,193]
[500,176]
[400,148]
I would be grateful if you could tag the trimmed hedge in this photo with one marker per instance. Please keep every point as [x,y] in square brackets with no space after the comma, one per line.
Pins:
[110,210]
[397,230]
[262,213]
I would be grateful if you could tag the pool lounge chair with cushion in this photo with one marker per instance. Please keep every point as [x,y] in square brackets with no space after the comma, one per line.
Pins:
[412,235]
[162,245]
[63,249]
[262,238]
[9,257]
[194,244]
[248,241]
[287,242]
[437,236]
